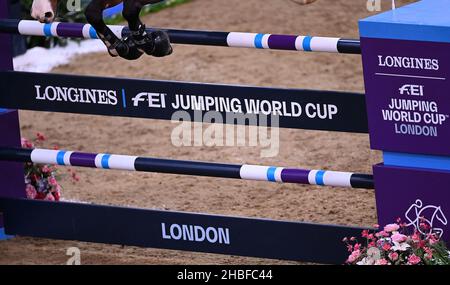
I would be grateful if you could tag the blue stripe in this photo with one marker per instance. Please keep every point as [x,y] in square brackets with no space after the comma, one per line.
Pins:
[258,40]
[319,177]
[124,99]
[4,236]
[48,30]
[60,157]
[307,43]
[3,110]
[93,33]
[113,11]
[271,174]
[105,161]
[416,160]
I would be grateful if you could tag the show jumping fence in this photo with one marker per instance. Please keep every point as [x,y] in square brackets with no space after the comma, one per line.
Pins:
[144,164]
[189,37]
[397,184]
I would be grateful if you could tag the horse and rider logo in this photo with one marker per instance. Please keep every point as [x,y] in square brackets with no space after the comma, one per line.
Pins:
[430,215]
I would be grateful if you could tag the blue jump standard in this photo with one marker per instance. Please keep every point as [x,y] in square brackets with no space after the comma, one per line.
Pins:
[4,236]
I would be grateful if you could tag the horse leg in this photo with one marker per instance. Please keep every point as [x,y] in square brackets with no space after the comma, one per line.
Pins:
[156,43]
[115,46]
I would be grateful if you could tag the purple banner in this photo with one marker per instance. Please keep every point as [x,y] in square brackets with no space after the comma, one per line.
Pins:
[407,85]
[412,194]
[11,174]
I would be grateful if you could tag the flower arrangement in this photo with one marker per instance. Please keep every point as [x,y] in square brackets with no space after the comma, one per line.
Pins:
[41,181]
[392,246]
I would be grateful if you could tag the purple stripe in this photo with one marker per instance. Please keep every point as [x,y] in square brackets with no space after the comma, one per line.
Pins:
[83,159]
[295,176]
[283,42]
[70,30]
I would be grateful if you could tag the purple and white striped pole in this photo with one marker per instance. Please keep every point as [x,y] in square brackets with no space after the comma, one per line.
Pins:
[226,39]
[143,164]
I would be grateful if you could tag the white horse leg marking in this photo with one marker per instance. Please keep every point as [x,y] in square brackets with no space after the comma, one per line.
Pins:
[42,10]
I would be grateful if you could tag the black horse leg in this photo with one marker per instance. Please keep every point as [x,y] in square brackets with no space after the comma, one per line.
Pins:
[115,46]
[156,43]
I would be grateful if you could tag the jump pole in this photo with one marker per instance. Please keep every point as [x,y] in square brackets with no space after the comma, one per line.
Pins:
[192,37]
[197,168]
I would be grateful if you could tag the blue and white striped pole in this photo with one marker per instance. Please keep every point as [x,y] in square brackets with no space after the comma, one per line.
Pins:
[226,39]
[144,164]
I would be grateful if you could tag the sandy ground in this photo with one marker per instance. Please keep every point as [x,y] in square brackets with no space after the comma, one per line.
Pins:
[316,150]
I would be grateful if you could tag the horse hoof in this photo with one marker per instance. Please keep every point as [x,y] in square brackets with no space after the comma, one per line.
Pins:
[127,49]
[145,45]
[162,44]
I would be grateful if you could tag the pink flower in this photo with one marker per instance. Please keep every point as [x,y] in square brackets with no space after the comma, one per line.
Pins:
[386,247]
[357,246]
[40,137]
[31,191]
[393,256]
[415,237]
[52,181]
[40,196]
[49,197]
[399,238]
[45,169]
[26,143]
[432,239]
[57,195]
[349,248]
[382,234]
[57,188]
[424,226]
[381,262]
[354,256]
[391,228]
[414,259]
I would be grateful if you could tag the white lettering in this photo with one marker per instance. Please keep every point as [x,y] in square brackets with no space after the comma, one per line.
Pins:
[195,233]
